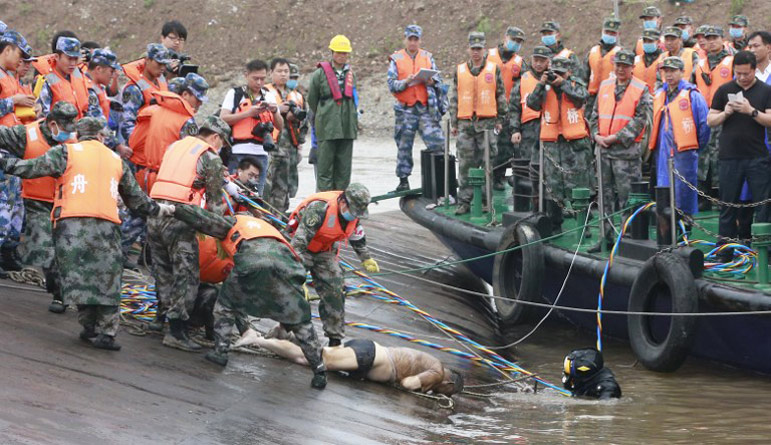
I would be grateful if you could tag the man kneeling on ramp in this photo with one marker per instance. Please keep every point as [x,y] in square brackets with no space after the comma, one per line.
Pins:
[366,360]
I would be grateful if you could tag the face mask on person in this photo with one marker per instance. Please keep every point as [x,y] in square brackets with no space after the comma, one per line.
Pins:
[686,35]
[291,84]
[649,48]
[650,24]
[513,46]
[549,40]
[62,136]
[609,39]
[347,215]
[736,33]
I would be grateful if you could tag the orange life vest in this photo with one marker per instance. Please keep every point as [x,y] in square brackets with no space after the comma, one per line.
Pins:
[89,186]
[163,125]
[214,263]
[248,227]
[331,231]
[44,64]
[279,100]
[647,73]
[135,73]
[178,172]
[104,102]
[242,130]
[74,90]
[566,53]
[9,87]
[721,74]
[680,114]
[509,71]
[687,56]
[600,66]
[613,116]
[526,86]
[406,66]
[476,94]
[562,118]
[39,189]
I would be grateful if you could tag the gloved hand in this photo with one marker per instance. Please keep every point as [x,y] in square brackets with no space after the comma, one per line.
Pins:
[166,209]
[370,265]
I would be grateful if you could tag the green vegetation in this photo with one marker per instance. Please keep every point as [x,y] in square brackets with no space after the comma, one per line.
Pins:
[737,6]
[483,25]
[149,3]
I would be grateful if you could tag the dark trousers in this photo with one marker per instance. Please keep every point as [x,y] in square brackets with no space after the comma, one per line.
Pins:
[733,172]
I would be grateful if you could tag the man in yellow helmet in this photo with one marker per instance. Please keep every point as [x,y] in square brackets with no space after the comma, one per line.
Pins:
[331,98]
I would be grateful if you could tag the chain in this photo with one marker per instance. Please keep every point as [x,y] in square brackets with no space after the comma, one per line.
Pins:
[691,220]
[715,200]
[561,169]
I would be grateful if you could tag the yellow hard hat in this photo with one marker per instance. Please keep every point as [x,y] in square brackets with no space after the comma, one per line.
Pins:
[340,44]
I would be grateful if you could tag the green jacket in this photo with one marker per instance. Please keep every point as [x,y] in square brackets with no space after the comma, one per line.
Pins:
[332,121]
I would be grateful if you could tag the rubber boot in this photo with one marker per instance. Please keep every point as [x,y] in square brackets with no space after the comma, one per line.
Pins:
[106,342]
[333,342]
[404,185]
[218,356]
[10,259]
[319,380]
[177,337]
[88,334]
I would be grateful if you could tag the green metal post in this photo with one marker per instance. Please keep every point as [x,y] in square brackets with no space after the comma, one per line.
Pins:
[580,200]
[476,179]
[762,231]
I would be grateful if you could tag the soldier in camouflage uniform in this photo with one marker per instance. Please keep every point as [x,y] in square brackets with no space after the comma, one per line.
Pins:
[620,152]
[67,48]
[37,248]
[102,69]
[471,131]
[412,118]
[88,248]
[567,163]
[551,37]
[311,218]
[174,244]
[608,43]
[266,281]
[737,30]
[524,135]
[296,156]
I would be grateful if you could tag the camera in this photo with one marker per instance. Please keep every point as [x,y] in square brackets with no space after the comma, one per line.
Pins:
[551,76]
[263,132]
[298,112]
[183,68]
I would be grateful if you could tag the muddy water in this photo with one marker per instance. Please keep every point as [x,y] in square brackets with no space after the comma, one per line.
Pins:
[702,402]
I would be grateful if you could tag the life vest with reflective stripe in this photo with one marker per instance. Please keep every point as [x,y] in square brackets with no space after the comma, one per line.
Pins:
[9,86]
[74,90]
[721,74]
[242,130]
[39,189]
[647,73]
[89,186]
[134,71]
[407,66]
[562,118]
[600,66]
[687,56]
[179,170]
[331,231]
[476,94]
[104,102]
[526,86]
[334,86]
[613,116]
[249,227]
[510,70]
[214,262]
[680,114]
[165,121]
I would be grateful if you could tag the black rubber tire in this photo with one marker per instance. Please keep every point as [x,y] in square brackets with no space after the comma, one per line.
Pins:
[661,274]
[518,275]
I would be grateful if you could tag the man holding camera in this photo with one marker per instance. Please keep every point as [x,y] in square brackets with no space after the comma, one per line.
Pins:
[526,122]
[252,114]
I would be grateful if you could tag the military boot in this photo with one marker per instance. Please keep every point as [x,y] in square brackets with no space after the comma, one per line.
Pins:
[177,337]
[57,306]
[404,185]
[107,342]
[218,356]
[160,316]
[88,334]
[319,380]
[10,259]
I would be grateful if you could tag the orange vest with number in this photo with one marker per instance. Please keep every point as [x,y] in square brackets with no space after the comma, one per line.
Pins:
[134,71]
[680,113]
[331,231]
[600,66]
[509,71]
[163,125]
[89,186]
[613,116]
[721,74]
[39,189]
[476,94]
[178,172]
[214,262]
[249,227]
[526,86]
[74,90]
[647,73]
[406,66]
[563,119]
[242,130]
[9,87]
[687,56]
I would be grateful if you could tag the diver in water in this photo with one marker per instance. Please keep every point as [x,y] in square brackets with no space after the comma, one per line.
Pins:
[585,375]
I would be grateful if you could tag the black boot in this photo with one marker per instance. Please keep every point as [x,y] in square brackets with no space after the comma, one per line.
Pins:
[218,356]
[319,380]
[57,306]
[404,185]
[105,342]
[334,342]
[88,334]
[160,317]
[177,337]
[10,259]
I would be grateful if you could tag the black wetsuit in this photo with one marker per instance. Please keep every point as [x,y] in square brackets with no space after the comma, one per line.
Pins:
[601,385]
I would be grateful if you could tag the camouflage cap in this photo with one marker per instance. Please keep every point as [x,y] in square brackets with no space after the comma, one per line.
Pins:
[673,31]
[17,39]
[542,51]
[158,53]
[177,85]
[69,46]
[294,70]
[515,33]
[684,20]
[64,114]
[3,26]
[650,11]
[701,30]
[105,57]
[476,39]
[624,57]
[413,31]
[197,85]
[651,34]
[550,26]
[358,199]
[611,24]
[90,127]
[740,20]
[561,64]
[713,30]
[217,125]
[673,62]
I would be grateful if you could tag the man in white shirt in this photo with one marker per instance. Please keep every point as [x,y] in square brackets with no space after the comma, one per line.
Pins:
[242,109]
[759,43]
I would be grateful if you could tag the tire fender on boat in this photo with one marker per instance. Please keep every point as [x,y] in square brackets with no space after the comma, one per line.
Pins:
[663,274]
[519,274]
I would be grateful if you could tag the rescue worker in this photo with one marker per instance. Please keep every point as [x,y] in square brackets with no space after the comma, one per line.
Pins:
[685,24]
[599,62]
[102,68]
[316,226]
[296,155]
[267,281]
[191,170]
[477,105]
[552,38]
[331,98]
[679,131]
[65,82]
[526,122]
[566,144]
[585,375]
[27,142]
[618,121]
[646,66]
[89,178]
[701,41]
[673,42]
[737,30]
[411,102]
[711,73]
[651,20]
[511,66]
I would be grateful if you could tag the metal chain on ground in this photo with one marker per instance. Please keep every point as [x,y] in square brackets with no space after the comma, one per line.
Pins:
[715,200]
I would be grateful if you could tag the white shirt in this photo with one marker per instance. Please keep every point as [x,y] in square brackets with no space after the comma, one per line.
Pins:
[247,148]
[763,75]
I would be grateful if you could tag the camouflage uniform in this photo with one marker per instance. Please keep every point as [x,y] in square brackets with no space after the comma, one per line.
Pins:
[577,68]
[132,98]
[266,281]
[11,212]
[530,131]
[70,47]
[295,156]
[609,24]
[708,163]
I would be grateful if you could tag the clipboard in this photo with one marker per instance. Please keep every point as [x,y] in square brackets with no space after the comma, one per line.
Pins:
[423,76]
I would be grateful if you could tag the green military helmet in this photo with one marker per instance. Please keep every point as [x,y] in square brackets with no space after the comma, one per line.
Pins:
[650,11]
[561,64]
[651,34]
[358,198]
[673,31]
[673,62]
[713,30]
[611,24]
[624,57]
[542,51]
[740,20]
[177,85]
[64,114]
[215,124]
[684,20]
[476,39]
[90,127]
[515,33]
